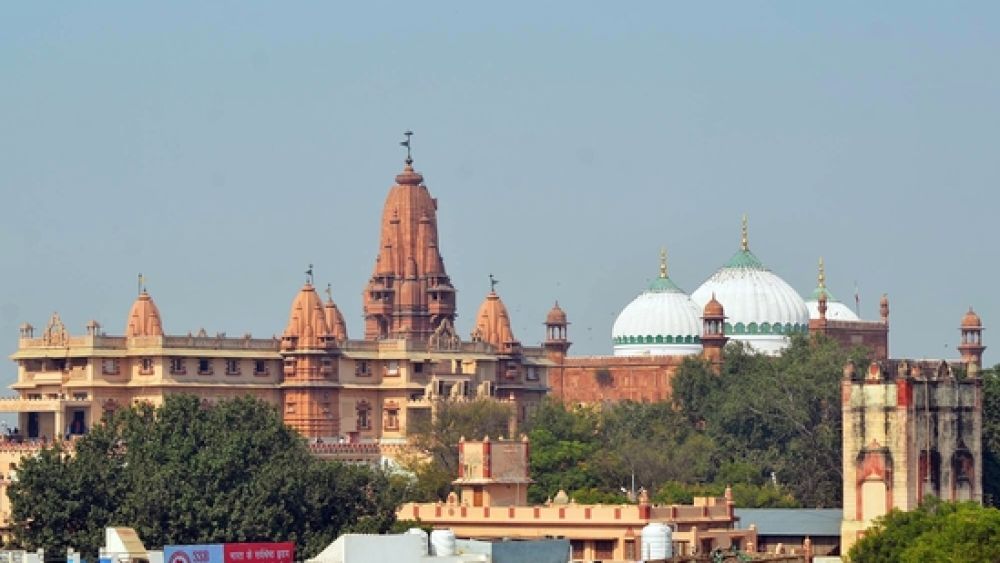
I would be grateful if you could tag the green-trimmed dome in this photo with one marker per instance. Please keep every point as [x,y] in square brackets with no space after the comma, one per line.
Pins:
[661,321]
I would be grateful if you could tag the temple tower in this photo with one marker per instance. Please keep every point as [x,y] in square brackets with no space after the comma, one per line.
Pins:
[409,294]
[309,378]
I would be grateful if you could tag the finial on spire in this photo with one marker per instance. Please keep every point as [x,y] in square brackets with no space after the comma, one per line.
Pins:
[309,275]
[329,292]
[663,263]
[493,283]
[822,274]
[745,239]
[406,143]
[142,284]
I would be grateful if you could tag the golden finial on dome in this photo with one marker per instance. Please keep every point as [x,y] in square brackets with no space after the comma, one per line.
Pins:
[663,263]
[745,240]
[822,274]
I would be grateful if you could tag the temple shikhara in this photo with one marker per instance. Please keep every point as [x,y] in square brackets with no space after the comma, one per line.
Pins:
[354,398]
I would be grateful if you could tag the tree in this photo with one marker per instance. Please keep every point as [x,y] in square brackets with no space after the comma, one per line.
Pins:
[991,436]
[779,415]
[183,473]
[936,531]
[437,437]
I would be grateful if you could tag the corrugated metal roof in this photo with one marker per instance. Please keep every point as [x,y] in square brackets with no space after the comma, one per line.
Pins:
[792,521]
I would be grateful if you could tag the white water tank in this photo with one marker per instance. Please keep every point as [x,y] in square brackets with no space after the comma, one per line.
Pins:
[423,535]
[656,541]
[442,542]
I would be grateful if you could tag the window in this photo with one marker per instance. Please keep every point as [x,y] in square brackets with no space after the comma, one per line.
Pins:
[290,408]
[232,367]
[604,549]
[364,416]
[362,368]
[80,396]
[391,416]
[531,373]
[260,367]
[145,366]
[392,367]
[177,366]
[109,366]
[204,366]
[418,367]
[576,549]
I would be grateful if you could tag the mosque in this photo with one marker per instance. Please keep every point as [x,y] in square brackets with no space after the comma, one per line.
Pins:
[354,398]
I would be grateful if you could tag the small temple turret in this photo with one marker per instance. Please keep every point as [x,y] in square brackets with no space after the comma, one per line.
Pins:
[493,323]
[144,317]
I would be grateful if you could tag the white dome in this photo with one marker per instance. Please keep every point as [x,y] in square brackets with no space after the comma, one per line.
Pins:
[661,321]
[835,310]
[761,308]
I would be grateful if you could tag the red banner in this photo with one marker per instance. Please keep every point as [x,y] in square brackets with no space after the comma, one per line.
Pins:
[259,552]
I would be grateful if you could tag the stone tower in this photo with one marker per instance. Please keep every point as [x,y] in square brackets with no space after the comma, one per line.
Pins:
[409,294]
[911,429]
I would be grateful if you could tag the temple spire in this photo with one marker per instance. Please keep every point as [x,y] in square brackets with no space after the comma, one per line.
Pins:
[663,263]
[745,239]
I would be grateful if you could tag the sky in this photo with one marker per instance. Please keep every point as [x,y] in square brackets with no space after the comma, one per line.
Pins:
[220,148]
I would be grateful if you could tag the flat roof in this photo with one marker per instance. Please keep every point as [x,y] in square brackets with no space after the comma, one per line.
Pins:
[792,521]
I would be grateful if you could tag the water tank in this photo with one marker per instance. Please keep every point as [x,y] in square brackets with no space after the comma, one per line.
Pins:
[423,535]
[442,542]
[656,542]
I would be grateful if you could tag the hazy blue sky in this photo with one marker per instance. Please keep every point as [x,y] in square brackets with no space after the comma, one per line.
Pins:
[221,147]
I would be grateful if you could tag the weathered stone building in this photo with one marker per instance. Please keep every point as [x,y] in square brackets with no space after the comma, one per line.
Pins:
[912,429]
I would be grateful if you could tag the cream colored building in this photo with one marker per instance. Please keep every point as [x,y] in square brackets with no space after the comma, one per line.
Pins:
[492,503]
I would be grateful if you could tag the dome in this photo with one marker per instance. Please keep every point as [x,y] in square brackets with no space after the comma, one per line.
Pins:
[661,321]
[493,323]
[835,310]
[971,320]
[556,316]
[144,318]
[762,309]
[713,308]
[307,320]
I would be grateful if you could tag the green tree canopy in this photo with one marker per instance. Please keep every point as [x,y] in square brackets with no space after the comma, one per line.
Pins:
[183,473]
[937,531]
